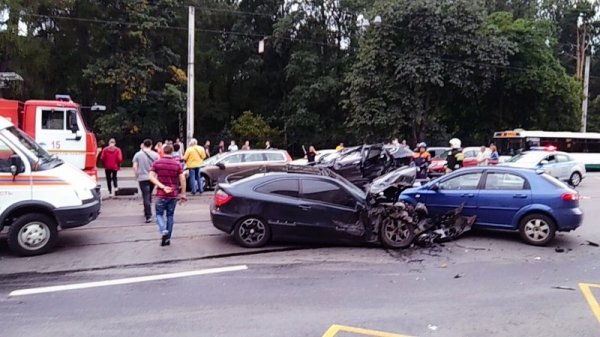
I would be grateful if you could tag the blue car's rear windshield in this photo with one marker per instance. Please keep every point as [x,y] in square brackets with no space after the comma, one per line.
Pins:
[555,181]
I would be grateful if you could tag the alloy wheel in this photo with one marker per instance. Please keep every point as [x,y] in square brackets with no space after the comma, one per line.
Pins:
[252,231]
[537,230]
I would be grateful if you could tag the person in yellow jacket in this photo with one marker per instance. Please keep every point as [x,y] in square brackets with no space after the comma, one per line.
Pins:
[340,147]
[193,158]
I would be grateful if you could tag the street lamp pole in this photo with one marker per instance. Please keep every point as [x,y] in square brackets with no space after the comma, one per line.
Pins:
[190,75]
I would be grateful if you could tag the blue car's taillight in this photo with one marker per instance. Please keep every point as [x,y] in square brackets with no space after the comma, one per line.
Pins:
[570,196]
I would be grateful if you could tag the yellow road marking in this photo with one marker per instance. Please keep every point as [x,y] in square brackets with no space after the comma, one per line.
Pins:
[587,293]
[334,329]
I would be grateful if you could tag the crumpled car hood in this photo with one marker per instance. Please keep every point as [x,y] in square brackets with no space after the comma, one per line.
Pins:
[396,180]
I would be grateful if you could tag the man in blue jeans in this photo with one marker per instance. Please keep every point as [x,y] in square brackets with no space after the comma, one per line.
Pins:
[167,175]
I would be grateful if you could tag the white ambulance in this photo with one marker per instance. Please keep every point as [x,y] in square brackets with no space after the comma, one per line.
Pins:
[39,193]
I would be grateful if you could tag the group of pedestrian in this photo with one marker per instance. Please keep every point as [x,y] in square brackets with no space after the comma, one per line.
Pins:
[162,167]
[488,156]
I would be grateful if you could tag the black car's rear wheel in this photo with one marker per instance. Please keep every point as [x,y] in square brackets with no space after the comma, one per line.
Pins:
[395,233]
[252,232]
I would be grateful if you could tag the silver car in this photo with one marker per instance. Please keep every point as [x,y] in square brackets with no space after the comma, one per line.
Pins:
[223,164]
[558,164]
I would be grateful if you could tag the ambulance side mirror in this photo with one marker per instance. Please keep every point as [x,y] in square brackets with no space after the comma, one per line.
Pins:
[16,165]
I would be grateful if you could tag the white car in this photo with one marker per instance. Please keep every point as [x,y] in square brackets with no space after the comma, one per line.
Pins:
[558,164]
[322,153]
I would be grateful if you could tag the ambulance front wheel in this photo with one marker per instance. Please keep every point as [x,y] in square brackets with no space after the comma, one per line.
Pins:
[32,234]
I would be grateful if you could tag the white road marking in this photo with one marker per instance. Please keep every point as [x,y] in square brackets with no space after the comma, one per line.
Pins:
[75,286]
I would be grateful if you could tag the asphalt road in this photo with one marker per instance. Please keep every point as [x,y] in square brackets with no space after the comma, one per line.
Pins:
[485,284]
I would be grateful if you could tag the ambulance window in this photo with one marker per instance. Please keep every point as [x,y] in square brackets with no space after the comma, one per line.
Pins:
[5,154]
[53,120]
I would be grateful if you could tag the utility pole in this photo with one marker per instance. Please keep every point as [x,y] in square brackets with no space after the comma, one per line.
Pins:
[586,85]
[190,75]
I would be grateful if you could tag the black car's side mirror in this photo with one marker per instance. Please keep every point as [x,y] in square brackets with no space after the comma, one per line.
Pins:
[221,166]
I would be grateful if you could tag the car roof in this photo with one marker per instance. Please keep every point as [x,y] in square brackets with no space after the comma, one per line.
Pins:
[282,170]
[546,152]
[255,151]
[527,171]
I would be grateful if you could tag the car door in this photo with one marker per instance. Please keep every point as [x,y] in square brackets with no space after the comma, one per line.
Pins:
[374,162]
[452,191]
[330,211]
[282,210]
[564,164]
[56,134]
[232,163]
[229,164]
[13,190]
[503,194]
[551,167]
[348,165]
[470,158]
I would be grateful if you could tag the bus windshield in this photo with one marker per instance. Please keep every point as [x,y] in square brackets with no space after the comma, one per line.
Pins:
[509,146]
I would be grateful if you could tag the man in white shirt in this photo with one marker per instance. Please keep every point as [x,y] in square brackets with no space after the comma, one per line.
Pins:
[232,146]
[483,157]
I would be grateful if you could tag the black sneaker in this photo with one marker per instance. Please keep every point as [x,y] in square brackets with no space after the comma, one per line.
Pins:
[168,242]
[148,220]
[164,241]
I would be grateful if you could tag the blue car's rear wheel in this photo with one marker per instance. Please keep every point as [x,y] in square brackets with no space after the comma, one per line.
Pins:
[537,229]
[252,232]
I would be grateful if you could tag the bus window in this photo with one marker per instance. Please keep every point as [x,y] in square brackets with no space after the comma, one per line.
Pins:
[509,146]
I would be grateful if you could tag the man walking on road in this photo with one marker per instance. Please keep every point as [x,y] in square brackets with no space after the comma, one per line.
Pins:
[167,175]
[194,156]
[111,158]
[142,162]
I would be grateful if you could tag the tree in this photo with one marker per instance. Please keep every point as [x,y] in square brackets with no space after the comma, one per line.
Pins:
[253,128]
[535,91]
[134,64]
[424,56]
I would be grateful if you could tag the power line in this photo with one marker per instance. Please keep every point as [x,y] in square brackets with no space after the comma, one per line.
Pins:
[262,36]
[214,31]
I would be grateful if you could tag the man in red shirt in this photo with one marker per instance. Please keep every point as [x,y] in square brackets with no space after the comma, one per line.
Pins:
[111,158]
[167,175]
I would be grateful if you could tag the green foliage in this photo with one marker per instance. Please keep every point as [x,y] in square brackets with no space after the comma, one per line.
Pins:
[431,70]
[253,128]
[538,93]
[426,56]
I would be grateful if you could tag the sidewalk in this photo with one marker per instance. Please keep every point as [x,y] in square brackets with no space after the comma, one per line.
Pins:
[126,180]
[126,174]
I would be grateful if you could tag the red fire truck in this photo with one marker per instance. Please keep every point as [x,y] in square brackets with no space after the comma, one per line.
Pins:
[58,127]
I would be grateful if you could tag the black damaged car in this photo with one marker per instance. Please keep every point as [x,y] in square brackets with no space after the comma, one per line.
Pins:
[299,203]
[360,165]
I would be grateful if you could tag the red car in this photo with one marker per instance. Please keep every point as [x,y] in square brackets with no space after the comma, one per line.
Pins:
[438,163]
